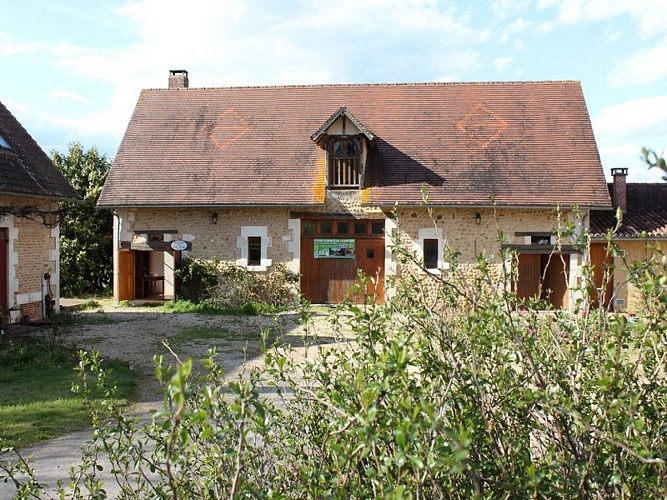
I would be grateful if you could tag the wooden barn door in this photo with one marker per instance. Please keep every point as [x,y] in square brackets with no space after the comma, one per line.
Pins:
[528,285]
[4,270]
[126,275]
[554,287]
[601,263]
[328,273]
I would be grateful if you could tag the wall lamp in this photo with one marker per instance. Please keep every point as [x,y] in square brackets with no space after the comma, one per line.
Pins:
[478,218]
[214,217]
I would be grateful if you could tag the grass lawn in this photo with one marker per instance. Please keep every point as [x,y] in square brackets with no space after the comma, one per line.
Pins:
[36,401]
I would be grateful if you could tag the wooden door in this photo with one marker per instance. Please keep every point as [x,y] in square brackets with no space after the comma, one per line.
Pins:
[4,270]
[332,251]
[555,273]
[528,284]
[126,275]
[601,266]
[370,260]
[325,281]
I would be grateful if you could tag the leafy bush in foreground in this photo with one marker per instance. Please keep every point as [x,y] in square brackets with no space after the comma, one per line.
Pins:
[482,396]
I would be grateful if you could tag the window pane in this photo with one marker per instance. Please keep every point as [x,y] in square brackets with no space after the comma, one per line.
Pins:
[308,227]
[431,253]
[326,227]
[359,228]
[254,250]
[377,227]
[343,227]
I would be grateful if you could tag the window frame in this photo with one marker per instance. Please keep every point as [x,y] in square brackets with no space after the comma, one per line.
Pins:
[340,174]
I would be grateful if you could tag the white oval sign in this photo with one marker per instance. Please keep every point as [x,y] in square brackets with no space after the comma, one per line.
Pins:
[179,245]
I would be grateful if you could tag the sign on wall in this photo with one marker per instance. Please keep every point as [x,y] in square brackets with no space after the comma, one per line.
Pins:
[333,248]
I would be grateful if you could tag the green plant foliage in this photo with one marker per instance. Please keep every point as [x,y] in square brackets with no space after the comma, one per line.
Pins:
[655,160]
[228,287]
[37,401]
[454,388]
[86,235]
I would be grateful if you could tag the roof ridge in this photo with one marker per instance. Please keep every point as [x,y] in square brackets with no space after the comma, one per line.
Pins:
[386,84]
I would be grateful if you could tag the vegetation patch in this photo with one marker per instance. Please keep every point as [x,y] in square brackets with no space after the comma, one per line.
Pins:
[37,402]
[218,335]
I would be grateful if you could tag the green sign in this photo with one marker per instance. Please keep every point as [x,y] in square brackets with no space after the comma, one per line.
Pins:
[333,249]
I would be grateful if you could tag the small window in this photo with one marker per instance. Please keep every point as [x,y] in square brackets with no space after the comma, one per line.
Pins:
[344,164]
[309,227]
[377,227]
[326,227]
[540,240]
[343,228]
[359,228]
[431,253]
[4,144]
[254,250]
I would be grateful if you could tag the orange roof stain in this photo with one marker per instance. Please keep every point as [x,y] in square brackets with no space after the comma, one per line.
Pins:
[365,196]
[230,127]
[319,188]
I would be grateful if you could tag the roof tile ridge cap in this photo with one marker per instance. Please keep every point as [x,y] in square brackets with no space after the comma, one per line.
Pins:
[376,84]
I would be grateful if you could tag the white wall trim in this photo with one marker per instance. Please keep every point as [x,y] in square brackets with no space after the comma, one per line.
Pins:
[242,244]
[431,233]
[294,245]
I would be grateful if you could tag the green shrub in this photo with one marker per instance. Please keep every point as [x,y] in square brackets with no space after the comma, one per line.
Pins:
[196,278]
[473,394]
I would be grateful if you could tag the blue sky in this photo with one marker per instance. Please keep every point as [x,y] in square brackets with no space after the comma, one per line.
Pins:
[72,70]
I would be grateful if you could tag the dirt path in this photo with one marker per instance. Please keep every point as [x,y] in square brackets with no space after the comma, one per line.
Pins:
[137,334]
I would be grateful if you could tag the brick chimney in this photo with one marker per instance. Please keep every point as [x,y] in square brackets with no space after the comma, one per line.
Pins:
[619,197]
[178,79]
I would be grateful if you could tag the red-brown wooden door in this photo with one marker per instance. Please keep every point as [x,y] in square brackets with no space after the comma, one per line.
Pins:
[327,280]
[601,263]
[126,275]
[4,270]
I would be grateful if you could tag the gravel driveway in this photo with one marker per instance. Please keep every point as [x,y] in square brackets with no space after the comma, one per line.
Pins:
[136,334]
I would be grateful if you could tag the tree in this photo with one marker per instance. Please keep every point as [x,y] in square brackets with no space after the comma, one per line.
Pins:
[654,160]
[86,232]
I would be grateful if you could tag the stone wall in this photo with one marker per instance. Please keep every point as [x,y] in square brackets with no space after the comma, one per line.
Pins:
[457,227]
[33,250]
[627,297]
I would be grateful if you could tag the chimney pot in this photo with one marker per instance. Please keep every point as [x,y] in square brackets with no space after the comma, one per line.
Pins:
[620,193]
[178,79]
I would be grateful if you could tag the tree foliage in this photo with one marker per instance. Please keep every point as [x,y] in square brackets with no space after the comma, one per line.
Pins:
[454,388]
[86,232]
[654,160]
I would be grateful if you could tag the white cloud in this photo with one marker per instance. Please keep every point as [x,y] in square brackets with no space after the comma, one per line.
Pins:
[66,94]
[644,115]
[502,63]
[651,15]
[11,46]
[642,67]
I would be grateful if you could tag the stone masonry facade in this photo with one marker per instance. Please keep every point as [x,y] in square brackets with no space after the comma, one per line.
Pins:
[32,252]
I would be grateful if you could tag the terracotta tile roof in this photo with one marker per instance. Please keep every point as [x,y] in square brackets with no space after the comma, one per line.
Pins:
[25,170]
[527,144]
[646,213]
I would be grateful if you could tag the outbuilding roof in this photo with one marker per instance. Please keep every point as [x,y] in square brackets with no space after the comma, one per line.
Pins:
[519,144]
[25,170]
[646,214]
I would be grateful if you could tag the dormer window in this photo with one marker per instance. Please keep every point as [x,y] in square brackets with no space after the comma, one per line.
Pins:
[346,142]
[344,164]
[4,144]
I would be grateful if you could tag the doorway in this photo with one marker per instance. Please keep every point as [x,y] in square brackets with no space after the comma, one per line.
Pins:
[146,275]
[544,276]
[333,251]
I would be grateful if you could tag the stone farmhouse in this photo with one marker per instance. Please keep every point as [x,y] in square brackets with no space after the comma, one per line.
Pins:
[642,233]
[31,189]
[321,178]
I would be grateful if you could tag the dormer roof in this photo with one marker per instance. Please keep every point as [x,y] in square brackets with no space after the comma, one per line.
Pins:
[321,134]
